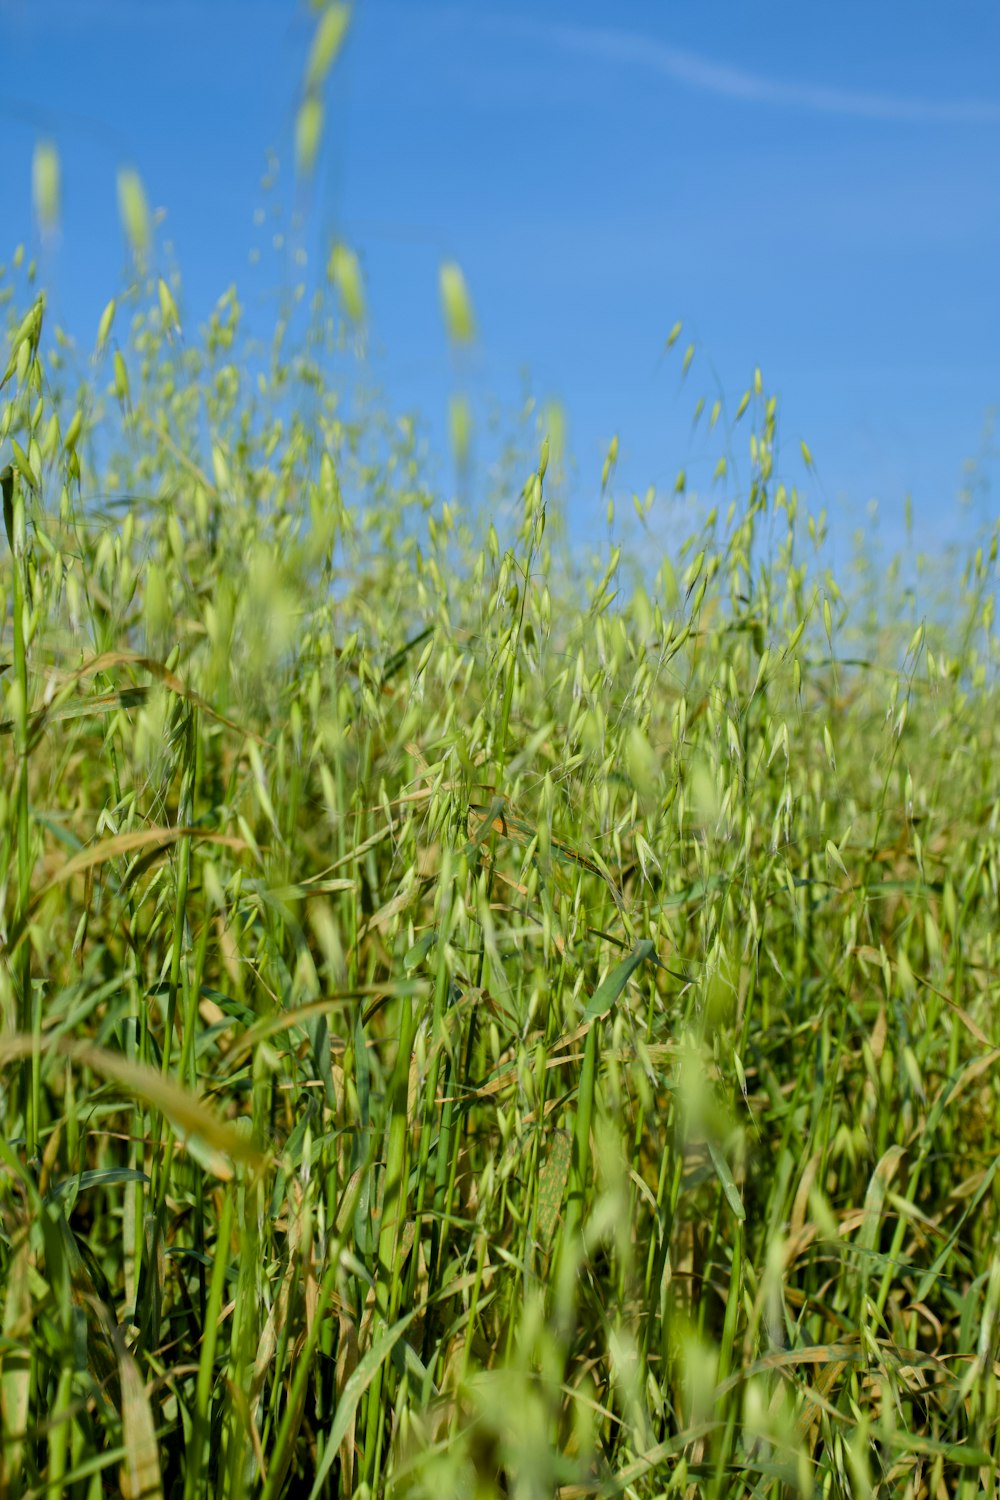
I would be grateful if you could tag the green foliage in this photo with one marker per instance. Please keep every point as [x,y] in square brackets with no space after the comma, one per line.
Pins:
[474,1020]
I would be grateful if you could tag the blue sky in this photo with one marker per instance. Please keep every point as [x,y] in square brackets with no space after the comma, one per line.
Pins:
[811,189]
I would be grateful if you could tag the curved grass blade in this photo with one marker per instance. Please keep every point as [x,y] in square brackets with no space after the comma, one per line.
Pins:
[108,849]
[189,1115]
[605,997]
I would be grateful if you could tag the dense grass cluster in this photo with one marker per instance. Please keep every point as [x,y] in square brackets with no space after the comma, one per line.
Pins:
[476,1019]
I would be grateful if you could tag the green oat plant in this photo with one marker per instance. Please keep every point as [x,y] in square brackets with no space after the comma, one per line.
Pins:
[479,1017]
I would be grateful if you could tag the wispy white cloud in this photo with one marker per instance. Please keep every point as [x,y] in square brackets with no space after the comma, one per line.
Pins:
[693,70]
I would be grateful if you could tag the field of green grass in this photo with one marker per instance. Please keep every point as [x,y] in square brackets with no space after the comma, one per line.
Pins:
[479,1015]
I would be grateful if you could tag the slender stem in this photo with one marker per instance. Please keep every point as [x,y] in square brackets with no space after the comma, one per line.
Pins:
[13,499]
